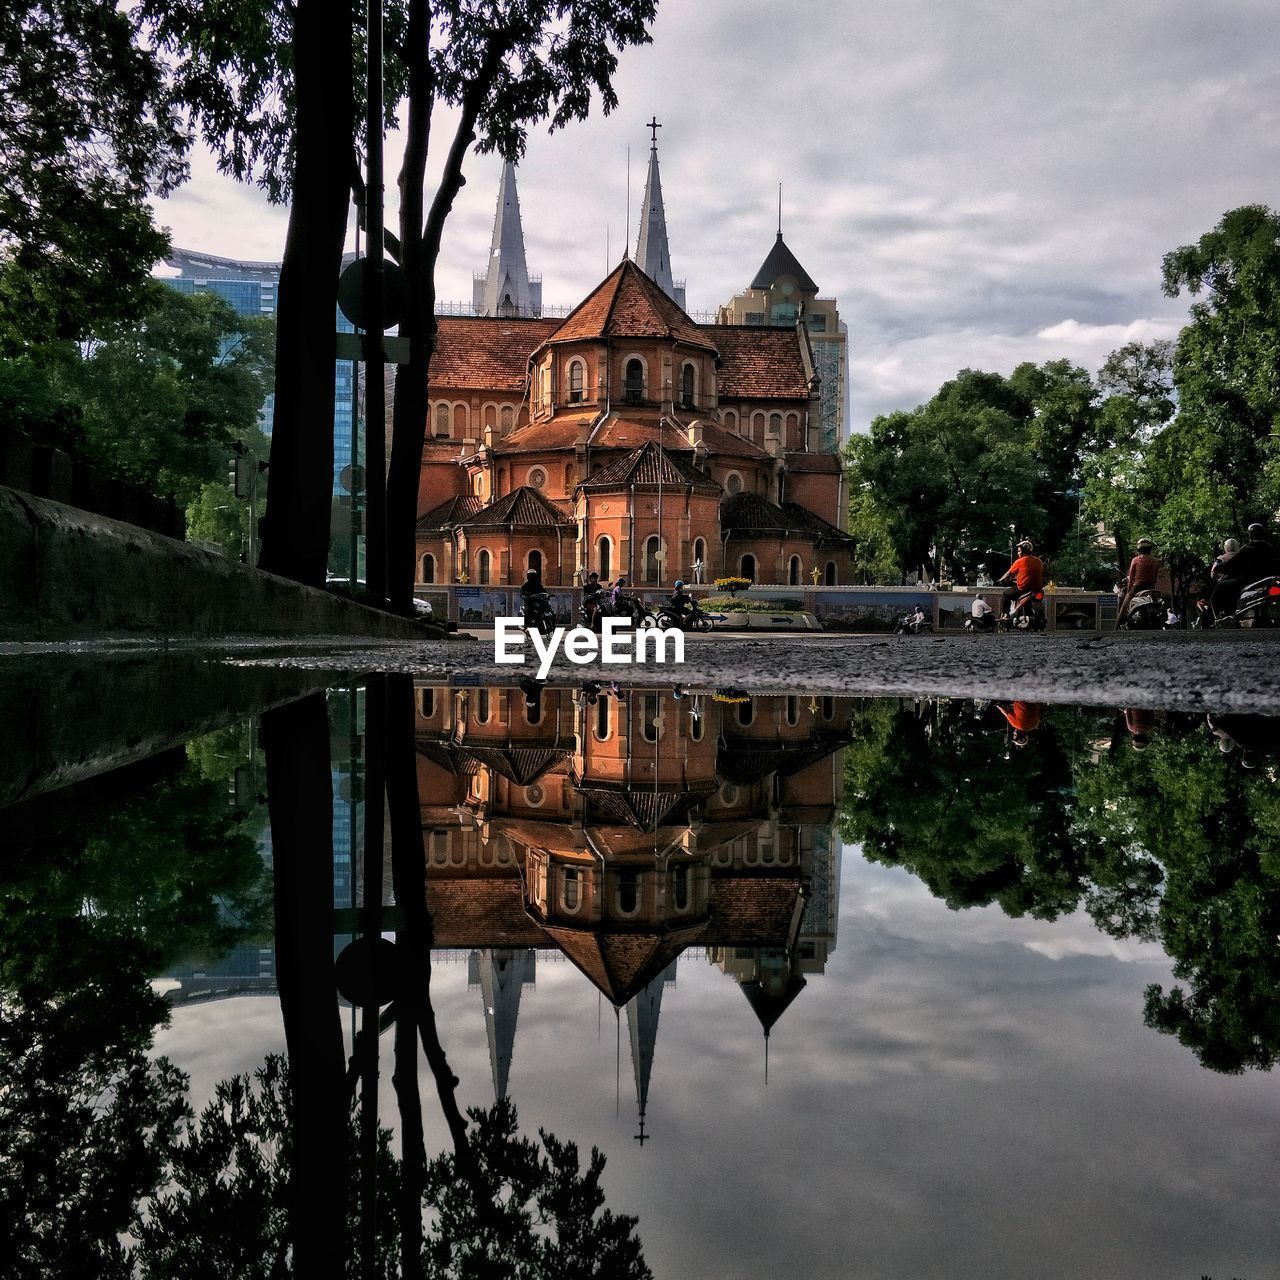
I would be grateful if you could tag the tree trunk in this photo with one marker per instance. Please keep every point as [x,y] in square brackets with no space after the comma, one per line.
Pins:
[296,526]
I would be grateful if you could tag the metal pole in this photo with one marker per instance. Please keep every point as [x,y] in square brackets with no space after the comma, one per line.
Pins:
[375,538]
[357,500]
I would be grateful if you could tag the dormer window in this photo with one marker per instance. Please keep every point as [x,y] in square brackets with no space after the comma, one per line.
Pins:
[577,371]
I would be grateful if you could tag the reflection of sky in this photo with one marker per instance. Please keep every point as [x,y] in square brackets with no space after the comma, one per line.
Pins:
[959,1095]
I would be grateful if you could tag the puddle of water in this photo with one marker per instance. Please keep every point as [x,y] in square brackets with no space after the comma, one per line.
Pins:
[835,986]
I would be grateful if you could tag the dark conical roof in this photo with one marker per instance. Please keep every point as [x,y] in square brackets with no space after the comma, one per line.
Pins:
[523,508]
[769,1003]
[650,465]
[782,262]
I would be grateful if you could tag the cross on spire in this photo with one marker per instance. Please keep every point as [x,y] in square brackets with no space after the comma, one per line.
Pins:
[653,126]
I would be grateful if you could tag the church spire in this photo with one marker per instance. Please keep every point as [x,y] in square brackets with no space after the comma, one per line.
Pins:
[653,256]
[505,288]
[642,1029]
[502,974]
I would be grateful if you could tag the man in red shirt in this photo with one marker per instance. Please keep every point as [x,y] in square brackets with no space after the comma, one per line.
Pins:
[1026,573]
[1144,569]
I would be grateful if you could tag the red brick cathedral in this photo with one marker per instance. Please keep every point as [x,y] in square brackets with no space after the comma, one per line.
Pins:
[627,438]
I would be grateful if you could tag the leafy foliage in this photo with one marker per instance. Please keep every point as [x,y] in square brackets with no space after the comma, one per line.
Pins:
[90,133]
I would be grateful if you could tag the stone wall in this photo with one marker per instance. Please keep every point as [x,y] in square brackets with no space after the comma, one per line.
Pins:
[66,574]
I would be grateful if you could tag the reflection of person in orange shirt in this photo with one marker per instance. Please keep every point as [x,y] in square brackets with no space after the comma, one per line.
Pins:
[1141,724]
[1026,574]
[1023,718]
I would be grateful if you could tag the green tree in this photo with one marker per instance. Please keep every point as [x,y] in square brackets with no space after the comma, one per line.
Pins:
[271,88]
[89,133]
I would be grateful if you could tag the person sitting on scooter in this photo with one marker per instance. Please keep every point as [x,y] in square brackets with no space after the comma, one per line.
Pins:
[1026,573]
[592,599]
[980,611]
[1221,563]
[681,603]
[532,596]
[1144,569]
[1256,560]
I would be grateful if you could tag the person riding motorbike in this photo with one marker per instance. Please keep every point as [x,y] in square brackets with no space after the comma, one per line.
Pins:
[1025,574]
[981,615]
[593,593]
[533,597]
[1144,569]
[1023,718]
[1221,563]
[682,605]
[1256,560]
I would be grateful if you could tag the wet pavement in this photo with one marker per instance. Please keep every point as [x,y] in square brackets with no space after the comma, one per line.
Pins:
[329,971]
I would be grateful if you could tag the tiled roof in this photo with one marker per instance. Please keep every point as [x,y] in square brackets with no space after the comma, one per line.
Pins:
[813,463]
[782,262]
[476,912]
[752,911]
[522,508]
[484,352]
[720,440]
[453,512]
[521,765]
[827,533]
[750,513]
[621,965]
[627,304]
[648,465]
[561,432]
[758,363]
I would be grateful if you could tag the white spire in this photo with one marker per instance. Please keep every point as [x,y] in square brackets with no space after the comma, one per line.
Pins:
[505,288]
[653,257]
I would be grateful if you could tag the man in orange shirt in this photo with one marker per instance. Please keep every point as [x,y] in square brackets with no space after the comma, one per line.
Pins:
[1026,574]
[1024,720]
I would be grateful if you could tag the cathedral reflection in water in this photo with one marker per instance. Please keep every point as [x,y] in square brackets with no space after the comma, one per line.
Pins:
[620,828]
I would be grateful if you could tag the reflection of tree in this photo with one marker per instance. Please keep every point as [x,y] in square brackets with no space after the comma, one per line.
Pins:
[87,1119]
[1173,843]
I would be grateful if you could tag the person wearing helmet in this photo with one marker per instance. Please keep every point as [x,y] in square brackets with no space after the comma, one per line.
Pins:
[1220,562]
[1144,569]
[681,602]
[533,596]
[1023,718]
[1025,574]
[1256,560]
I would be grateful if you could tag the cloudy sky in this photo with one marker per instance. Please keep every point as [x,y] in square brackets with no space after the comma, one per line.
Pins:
[978,182]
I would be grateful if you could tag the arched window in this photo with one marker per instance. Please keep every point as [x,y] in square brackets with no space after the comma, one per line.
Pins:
[793,431]
[746,713]
[535,561]
[459,421]
[687,376]
[483,706]
[568,477]
[700,552]
[829,577]
[628,892]
[633,392]
[652,565]
[426,703]
[482,567]
[442,420]
[793,571]
[604,559]
[533,715]
[695,728]
[775,425]
[680,887]
[576,376]
[757,426]
[733,482]
[507,418]
[828,708]
[793,710]
[569,894]
[427,572]
[650,710]
[731,419]
[747,571]
[491,415]
[603,716]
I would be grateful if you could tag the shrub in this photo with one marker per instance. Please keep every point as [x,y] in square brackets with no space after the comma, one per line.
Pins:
[732,585]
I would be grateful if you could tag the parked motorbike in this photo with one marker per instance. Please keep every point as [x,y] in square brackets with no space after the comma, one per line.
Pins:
[694,619]
[1258,606]
[1026,613]
[913,624]
[1147,611]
